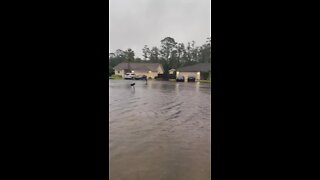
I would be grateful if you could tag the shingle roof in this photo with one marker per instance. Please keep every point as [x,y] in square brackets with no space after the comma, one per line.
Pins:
[201,67]
[139,66]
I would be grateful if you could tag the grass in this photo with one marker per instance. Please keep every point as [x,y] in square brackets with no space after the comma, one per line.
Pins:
[205,81]
[116,77]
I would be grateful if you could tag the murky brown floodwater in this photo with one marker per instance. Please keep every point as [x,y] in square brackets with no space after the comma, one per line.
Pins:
[159,131]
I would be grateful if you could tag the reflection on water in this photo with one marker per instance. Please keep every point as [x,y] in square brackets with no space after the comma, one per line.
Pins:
[159,130]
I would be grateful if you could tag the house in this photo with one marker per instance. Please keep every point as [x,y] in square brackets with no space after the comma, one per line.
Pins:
[151,70]
[201,71]
[171,71]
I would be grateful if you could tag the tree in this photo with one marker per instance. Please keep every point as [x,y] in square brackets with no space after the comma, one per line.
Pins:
[213,47]
[180,52]
[188,53]
[129,56]
[174,62]
[120,53]
[111,71]
[193,52]
[116,58]
[205,52]
[146,52]
[154,54]
[138,60]
[167,45]
[112,55]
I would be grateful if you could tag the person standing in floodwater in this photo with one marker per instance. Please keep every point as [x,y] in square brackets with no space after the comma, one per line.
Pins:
[146,80]
[132,85]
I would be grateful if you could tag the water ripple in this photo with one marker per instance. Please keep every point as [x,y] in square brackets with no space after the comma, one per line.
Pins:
[159,131]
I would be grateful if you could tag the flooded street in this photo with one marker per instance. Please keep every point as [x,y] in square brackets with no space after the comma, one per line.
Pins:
[159,131]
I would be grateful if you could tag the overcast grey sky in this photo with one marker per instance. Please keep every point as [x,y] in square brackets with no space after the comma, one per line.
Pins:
[135,23]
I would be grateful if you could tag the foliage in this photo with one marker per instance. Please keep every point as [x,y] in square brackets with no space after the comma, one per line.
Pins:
[111,71]
[171,54]
[204,81]
[205,75]
[146,53]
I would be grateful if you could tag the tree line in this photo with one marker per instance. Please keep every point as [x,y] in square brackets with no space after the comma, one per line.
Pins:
[170,54]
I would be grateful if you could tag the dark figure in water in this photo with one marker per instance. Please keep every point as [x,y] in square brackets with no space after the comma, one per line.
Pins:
[146,80]
[132,84]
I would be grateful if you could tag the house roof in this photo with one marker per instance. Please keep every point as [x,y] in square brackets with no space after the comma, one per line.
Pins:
[139,66]
[201,67]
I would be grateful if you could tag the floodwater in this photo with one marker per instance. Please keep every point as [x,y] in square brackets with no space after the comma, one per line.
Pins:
[159,131]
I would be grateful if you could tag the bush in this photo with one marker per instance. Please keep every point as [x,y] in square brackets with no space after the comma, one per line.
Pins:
[111,71]
[205,75]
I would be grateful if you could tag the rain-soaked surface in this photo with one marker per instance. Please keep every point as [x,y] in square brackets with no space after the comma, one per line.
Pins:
[159,131]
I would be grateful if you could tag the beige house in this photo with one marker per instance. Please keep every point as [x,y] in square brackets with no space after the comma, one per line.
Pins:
[151,70]
[171,71]
[198,71]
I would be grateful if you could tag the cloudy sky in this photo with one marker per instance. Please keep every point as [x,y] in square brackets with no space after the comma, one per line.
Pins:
[135,23]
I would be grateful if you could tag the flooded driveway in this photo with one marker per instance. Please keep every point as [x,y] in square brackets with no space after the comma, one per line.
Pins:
[159,131]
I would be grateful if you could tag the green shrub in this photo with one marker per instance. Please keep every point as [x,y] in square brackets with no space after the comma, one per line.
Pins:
[111,71]
[205,75]
[204,81]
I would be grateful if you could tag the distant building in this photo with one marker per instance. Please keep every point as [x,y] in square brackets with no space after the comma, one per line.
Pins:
[148,69]
[199,71]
